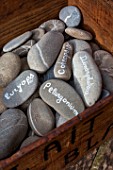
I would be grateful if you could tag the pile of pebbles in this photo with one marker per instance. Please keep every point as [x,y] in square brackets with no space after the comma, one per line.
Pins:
[47,76]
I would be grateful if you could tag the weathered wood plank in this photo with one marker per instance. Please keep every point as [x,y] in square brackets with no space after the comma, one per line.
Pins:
[19,16]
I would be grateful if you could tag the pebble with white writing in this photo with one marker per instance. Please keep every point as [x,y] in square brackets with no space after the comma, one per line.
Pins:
[20,89]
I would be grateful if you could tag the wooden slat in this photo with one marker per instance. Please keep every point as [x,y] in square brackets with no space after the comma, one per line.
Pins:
[97,18]
[18,16]
[64,146]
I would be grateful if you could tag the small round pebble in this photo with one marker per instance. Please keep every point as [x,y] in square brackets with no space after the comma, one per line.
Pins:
[71,16]
[79,33]
[20,89]
[38,34]
[10,66]
[62,98]
[53,25]
[43,54]
[16,42]
[13,129]
[40,117]
[29,140]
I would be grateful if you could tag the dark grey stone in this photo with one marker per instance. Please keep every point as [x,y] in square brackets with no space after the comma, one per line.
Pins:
[13,129]
[20,89]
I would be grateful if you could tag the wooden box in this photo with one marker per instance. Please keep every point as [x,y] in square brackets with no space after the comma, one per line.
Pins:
[64,146]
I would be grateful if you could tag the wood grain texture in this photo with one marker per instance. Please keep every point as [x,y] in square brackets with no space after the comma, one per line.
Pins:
[97,18]
[64,146]
[19,16]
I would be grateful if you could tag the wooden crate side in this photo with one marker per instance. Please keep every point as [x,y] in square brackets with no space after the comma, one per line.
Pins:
[97,18]
[64,146]
[18,16]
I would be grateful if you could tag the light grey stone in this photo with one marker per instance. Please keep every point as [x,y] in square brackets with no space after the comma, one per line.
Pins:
[87,77]
[71,16]
[16,42]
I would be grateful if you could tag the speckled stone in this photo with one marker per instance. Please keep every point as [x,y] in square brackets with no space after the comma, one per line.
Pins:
[23,50]
[2,106]
[80,45]
[53,25]
[104,60]
[29,140]
[16,42]
[62,97]
[43,54]
[20,89]
[70,15]
[38,34]
[79,33]
[60,120]
[62,68]
[13,129]
[87,78]
[40,117]
[10,66]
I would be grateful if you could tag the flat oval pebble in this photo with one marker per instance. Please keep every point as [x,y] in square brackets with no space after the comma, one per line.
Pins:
[40,117]
[80,45]
[43,54]
[29,140]
[87,78]
[104,60]
[16,42]
[62,97]
[38,34]
[2,106]
[23,49]
[62,67]
[10,66]
[13,129]
[20,89]
[71,16]
[79,33]
[53,25]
